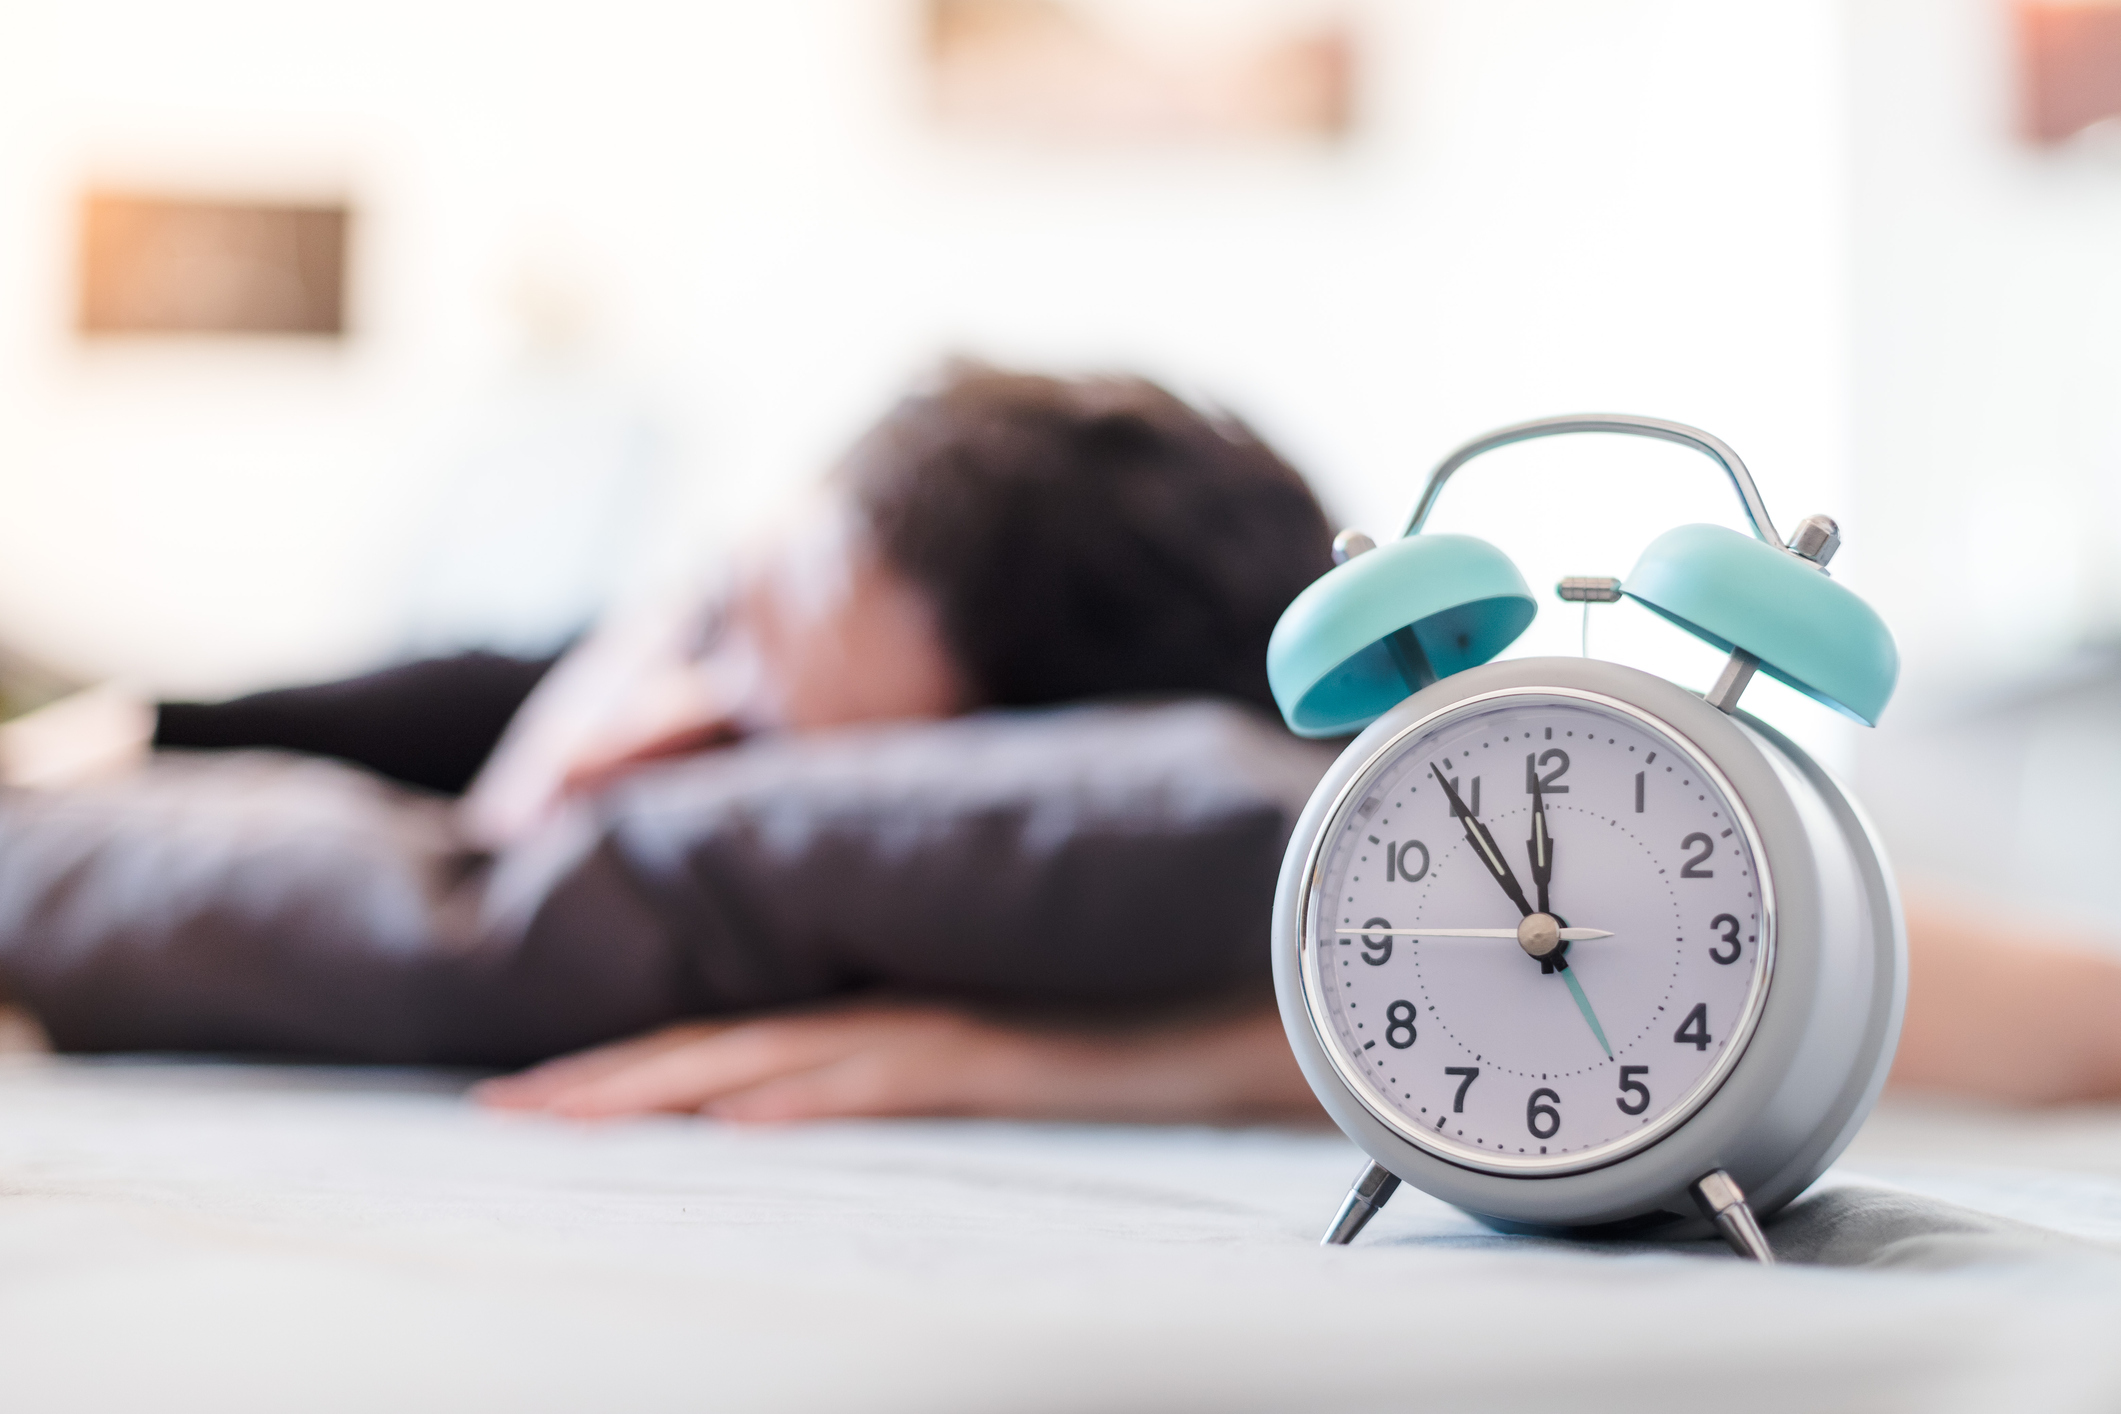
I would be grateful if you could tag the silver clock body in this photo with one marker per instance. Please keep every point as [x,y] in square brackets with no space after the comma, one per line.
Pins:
[1806,1031]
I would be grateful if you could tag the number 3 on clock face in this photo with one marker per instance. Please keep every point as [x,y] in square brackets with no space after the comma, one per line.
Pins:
[1442,1005]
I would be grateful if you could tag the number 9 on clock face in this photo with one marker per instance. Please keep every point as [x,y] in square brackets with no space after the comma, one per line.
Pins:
[1536,933]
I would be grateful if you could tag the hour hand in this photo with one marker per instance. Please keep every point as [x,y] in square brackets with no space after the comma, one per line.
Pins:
[1484,845]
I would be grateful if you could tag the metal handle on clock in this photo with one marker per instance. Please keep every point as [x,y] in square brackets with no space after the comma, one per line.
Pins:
[1816,539]
[1702,442]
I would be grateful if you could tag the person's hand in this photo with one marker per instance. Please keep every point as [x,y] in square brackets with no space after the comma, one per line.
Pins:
[679,734]
[899,1058]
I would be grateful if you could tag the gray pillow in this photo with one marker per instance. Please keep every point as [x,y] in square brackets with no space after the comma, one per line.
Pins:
[1108,855]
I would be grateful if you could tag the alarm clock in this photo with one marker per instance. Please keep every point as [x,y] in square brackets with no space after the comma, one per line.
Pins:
[1556,940]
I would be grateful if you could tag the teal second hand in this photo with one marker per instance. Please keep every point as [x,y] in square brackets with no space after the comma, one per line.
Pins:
[1583,1004]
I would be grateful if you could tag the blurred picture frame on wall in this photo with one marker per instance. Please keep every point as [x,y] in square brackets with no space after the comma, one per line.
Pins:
[2069,66]
[155,264]
[1125,72]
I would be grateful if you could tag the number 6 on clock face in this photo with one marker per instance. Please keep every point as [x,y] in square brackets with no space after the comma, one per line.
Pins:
[1597,818]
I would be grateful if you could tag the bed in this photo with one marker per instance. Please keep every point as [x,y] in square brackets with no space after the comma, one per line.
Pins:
[212,1236]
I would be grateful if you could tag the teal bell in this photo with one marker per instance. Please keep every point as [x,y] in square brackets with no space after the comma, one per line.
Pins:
[1751,598]
[1391,620]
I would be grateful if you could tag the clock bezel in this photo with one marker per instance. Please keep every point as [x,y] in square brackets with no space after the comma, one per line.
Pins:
[1359,1086]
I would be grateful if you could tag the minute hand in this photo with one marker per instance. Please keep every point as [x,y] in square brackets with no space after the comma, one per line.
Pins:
[1484,845]
[1541,845]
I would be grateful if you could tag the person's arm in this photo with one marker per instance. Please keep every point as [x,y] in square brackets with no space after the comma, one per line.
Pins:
[92,735]
[877,1058]
[429,723]
[1998,1009]
[1991,1015]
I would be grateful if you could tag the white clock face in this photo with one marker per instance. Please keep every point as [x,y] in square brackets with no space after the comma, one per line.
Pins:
[1470,1045]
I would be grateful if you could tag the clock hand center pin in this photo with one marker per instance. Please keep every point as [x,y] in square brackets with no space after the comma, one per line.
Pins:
[1539,934]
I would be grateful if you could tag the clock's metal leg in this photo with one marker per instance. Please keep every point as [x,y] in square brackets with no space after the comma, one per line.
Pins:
[1722,1202]
[1368,1195]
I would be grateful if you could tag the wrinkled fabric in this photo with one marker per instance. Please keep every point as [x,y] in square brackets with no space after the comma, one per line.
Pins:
[256,902]
[235,1239]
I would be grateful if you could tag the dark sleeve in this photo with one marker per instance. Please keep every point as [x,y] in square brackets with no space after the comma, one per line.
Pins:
[430,723]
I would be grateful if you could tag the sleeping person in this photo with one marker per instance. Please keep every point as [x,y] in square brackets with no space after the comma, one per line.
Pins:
[977,751]
[965,799]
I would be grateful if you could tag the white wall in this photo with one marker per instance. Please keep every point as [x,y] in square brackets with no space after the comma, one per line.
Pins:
[1987,351]
[1550,205]
[1986,321]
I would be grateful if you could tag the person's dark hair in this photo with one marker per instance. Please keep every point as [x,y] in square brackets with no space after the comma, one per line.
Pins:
[1082,537]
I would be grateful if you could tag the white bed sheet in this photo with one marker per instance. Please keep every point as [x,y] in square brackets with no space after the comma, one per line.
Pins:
[233,1238]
